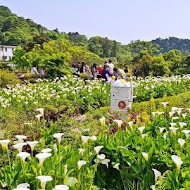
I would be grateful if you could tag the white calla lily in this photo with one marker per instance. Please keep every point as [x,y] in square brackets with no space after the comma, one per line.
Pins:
[182,124]
[80,163]
[164,103]
[85,139]
[173,130]
[23,185]
[186,132]
[4,144]
[61,187]
[103,121]
[44,180]
[38,116]
[21,138]
[162,129]
[181,142]
[97,149]
[177,160]
[105,162]
[157,174]
[116,166]
[145,155]
[101,156]
[58,136]
[19,146]
[42,157]
[23,155]
[130,123]
[141,129]
[46,150]
[41,111]
[119,122]
[81,151]
[32,144]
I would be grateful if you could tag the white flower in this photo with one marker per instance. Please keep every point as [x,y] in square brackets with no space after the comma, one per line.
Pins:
[173,124]
[103,121]
[80,163]
[46,150]
[101,156]
[141,129]
[184,115]
[162,129]
[177,160]
[173,130]
[61,187]
[38,116]
[182,124]
[32,144]
[41,111]
[20,138]
[21,189]
[97,149]
[145,155]
[19,146]
[144,135]
[58,136]
[175,108]
[93,138]
[81,151]
[85,139]
[44,180]
[175,118]
[42,156]
[23,185]
[23,155]
[164,103]
[4,144]
[165,135]
[153,187]
[181,142]
[171,113]
[105,162]
[157,174]
[119,122]
[186,132]
[116,166]
[130,123]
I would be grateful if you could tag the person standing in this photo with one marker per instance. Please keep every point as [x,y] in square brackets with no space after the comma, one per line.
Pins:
[94,71]
[111,65]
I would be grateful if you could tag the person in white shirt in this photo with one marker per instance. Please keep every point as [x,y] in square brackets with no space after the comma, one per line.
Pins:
[111,65]
[34,70]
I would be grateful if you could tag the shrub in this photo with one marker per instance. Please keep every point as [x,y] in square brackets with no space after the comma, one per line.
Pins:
[7,78]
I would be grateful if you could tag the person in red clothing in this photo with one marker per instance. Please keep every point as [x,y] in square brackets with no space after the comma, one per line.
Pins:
[99,69]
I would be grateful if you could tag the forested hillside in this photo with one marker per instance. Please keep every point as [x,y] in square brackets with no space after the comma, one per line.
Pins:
[55,49]
[173,43]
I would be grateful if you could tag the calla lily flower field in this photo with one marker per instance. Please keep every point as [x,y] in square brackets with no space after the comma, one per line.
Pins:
[61,135]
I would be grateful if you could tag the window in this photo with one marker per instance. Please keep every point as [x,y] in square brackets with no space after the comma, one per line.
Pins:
[5,49]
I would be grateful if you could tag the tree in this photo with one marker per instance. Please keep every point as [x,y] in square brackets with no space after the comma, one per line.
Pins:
[175,57]
[160,67]
[142,47]
[144,65]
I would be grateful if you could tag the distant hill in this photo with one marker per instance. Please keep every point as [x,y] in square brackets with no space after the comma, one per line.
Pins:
[173,43]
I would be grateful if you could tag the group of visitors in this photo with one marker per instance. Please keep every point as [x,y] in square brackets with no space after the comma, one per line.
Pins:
[36,71]
[108,71]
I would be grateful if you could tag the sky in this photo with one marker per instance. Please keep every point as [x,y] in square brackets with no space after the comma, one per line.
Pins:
[120,20]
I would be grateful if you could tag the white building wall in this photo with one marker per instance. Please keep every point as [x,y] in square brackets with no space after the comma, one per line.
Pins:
[6,52]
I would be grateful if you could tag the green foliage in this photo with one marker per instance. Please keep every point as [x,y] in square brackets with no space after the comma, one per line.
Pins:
[7,78]
[170,43]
